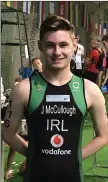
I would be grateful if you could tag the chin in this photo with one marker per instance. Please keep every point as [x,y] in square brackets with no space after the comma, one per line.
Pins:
[57,67]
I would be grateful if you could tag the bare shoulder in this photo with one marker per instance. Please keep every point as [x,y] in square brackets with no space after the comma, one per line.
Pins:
[91,87]
[22,90]
[24,83]
[92,93]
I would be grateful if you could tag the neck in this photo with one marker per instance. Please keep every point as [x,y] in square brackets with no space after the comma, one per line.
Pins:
[58,77]
[40,70]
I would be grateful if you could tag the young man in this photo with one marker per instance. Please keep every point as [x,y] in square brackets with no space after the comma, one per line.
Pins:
[54,104]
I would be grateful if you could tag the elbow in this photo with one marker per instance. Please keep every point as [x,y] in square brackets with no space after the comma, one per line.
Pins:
[105,140]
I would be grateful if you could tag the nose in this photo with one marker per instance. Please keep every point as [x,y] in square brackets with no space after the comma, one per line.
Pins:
[57,50]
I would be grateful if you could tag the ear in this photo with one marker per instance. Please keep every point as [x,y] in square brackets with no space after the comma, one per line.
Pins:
[40,45]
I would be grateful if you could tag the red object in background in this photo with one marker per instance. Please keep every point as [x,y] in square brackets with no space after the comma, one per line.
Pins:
[14,4]
[42,16]
[94,54]
[62,8]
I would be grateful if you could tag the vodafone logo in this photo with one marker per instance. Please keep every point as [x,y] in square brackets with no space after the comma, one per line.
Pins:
[57,141]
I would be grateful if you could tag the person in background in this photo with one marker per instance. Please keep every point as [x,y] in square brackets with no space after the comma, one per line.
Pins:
[94,62]
[26,71]
[102,65]
[31,69]
[78,56]
[37,66]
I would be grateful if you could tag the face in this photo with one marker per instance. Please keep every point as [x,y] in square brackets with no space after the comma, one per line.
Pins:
[93,43]
[105,44]
[57,48]
[37,64]
[76,40]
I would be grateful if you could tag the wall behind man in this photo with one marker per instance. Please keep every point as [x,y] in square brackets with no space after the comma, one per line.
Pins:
[11,57]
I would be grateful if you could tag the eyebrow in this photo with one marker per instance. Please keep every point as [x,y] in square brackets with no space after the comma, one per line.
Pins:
[49,42]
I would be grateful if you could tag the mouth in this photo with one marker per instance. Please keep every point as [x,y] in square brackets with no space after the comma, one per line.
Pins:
[57,60]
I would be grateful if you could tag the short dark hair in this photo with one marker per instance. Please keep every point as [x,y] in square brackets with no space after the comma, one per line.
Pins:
[105,38]
[54,23]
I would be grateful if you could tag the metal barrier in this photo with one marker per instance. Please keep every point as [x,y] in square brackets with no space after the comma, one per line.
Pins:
[96,165]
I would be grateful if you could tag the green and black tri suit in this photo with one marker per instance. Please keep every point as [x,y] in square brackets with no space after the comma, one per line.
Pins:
[55,123]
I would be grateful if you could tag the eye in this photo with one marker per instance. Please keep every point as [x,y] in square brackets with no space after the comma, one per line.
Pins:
[49,45]
[63,45]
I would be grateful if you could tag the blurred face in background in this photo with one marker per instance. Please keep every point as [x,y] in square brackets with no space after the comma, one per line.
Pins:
[94,43]
[77,38]
[75,42]
[37,64]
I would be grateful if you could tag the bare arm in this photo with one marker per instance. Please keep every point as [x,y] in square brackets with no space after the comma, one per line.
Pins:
[13,118]
[100,122]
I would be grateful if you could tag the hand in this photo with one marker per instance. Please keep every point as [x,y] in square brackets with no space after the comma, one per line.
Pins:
[87,60]
[22,167]
[8,174]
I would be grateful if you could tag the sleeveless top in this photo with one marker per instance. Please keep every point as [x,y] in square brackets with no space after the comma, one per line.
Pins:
[55,124]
